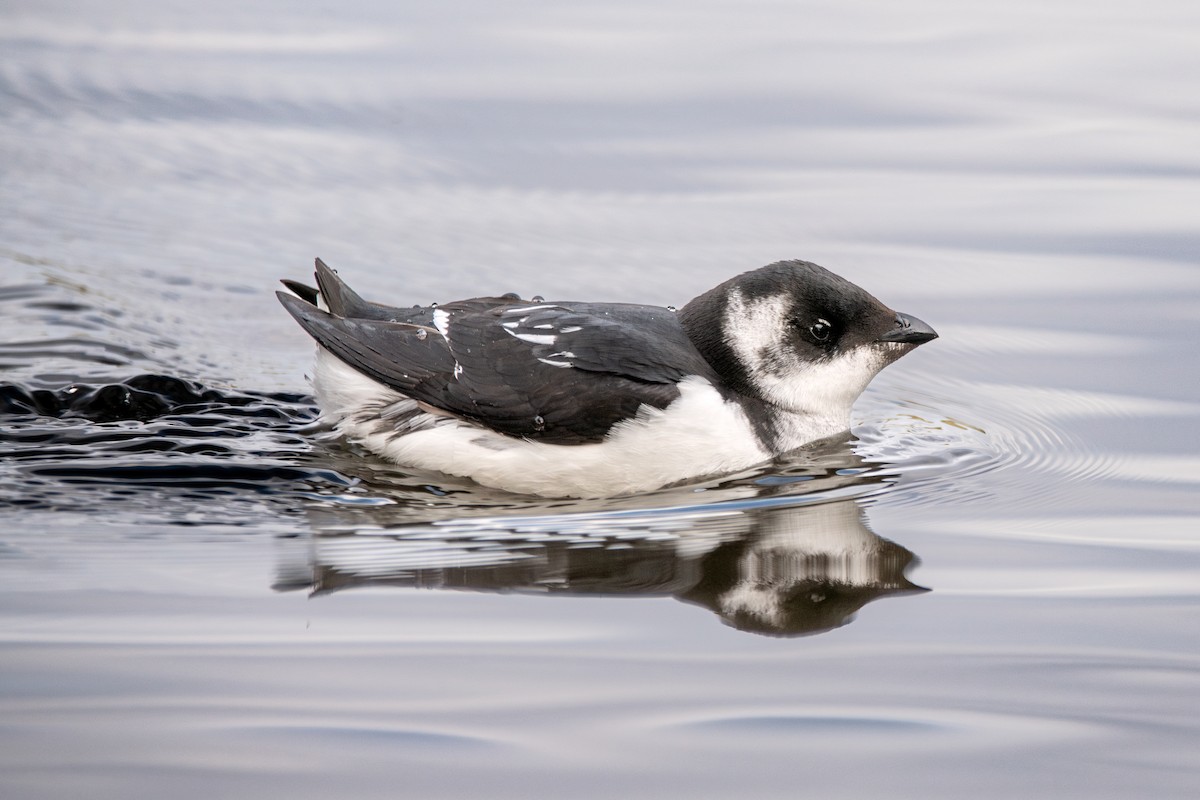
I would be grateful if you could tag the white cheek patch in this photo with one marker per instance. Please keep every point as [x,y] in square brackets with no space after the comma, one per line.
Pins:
[758,332]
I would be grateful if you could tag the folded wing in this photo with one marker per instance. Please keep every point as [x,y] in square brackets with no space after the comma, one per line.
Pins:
[561,373]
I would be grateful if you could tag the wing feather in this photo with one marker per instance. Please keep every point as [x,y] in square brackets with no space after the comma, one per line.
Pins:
[562,373]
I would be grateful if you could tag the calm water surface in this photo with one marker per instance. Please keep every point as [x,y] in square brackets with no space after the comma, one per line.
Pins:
[989,590]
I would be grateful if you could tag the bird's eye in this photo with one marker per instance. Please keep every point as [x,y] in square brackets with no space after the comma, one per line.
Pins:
[821,330]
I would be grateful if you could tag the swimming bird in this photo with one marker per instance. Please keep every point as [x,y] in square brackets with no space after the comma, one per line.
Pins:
[577,399]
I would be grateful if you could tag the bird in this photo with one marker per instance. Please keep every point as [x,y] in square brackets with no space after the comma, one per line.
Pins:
[567,399]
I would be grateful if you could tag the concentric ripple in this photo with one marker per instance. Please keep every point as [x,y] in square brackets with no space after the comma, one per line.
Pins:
[940,441]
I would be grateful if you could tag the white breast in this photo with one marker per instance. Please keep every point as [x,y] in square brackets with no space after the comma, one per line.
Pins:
[699,434]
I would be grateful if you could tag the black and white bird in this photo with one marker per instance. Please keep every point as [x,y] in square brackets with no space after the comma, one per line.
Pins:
[571,399]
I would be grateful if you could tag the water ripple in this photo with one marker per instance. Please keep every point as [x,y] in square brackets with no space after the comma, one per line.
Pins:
[942,439]
[89,447]
[862,723]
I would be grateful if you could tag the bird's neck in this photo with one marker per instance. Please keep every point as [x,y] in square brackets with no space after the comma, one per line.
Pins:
[703,321]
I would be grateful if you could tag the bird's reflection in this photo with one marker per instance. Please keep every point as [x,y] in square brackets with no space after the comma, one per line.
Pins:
[800,570]
[779,566]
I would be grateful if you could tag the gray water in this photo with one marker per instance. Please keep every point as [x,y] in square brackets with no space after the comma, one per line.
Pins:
[990,590]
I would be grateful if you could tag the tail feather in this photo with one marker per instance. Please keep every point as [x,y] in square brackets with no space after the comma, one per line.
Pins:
[303,291]
[400,355]
[340,299]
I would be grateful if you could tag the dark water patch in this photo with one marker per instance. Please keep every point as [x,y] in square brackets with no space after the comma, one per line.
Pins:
[22,291]
[147,397]
[60,306]
[157,447]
